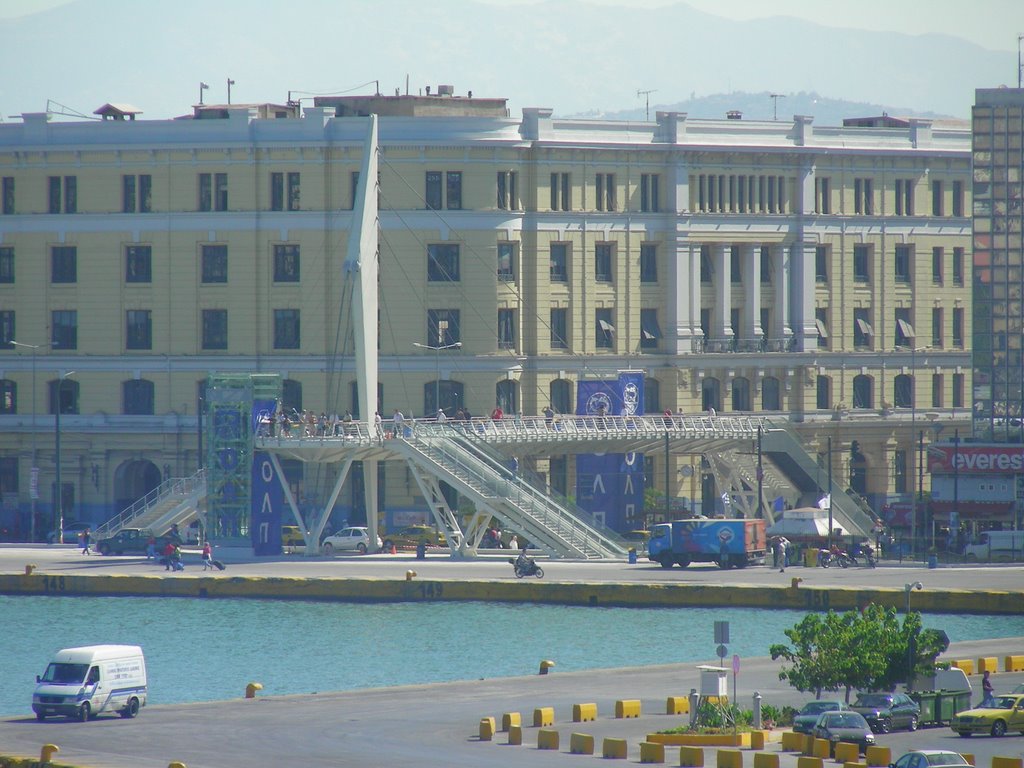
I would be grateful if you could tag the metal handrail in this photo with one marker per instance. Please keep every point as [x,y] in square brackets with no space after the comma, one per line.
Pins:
[178,486]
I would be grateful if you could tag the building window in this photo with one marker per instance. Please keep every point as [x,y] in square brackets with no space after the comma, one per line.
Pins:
[937,390]
[648,263]
[863,396]
[958,198]
[904,197]
[650,331]
[286,263]
[213,191]
[766,264]
[771,398]
[561,199]
[740,394]
[434,193]
[821,264]
[8,397]
[508,198]
[215,329]
[958,390]
[506,329]
[938,256]
[821,321]
[138,329]
[215,263]
[652,395]
[559,329]
[354,187]
[7,334]
[937,207]
[604,331]
[958,327]
[137,193]
[735,266]
[824,392]
[822,195]
[7,195]
[937,340]
[443,327]
[287,331]
[138,264]
[63,194]
[284,191]
[649,192]
[903,391]
[6,264]
[506,262]
[506,395]
[559,262]
[902,263]
[899,471]
[560,395]
[64,264]
[603,262]
[453,187]
[291,396]
[862,331]
[707,269]
[63,392]
[443,262]
[137,397]
[862,197]
[64,329]
[861,263]
[958,266]
[605,191]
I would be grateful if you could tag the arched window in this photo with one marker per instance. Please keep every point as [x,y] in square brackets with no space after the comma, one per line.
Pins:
[8,396]
[903,391]
[741,394]
[863,394]
[711,394]
[449,392]
[137,397]
[561,396]
[506,395]
[824,387]
[652,395]
[771,397]
[291,395]
[68,391]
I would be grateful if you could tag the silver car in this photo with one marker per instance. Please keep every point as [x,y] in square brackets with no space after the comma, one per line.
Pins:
[352,539]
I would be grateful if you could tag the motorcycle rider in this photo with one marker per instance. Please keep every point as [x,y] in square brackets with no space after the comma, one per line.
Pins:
[523,563]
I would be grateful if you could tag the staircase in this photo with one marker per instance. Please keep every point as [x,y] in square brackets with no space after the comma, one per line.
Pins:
[176,500]
[737,469]
[523,507]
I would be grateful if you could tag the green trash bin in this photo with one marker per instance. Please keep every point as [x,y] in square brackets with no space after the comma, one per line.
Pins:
[926,700]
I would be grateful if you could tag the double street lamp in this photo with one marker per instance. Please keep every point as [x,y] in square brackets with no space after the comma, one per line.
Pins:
[34,483]
[437,348]
[60,489]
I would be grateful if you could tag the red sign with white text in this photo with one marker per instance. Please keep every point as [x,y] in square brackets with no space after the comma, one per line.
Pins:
[977,459]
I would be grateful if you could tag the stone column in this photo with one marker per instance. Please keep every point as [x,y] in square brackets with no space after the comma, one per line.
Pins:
[781,329]
[802,270]
[750,260]
[721,328]
[684,297]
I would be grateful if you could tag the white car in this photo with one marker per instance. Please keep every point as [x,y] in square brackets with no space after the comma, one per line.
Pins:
[350,540]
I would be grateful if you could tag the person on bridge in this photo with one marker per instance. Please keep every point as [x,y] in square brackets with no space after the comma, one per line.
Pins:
[497,414]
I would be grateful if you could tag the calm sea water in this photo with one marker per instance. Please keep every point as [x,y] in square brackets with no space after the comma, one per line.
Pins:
[207,650]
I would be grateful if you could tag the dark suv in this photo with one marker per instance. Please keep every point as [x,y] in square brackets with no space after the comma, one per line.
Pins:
[130,541]
[885,711]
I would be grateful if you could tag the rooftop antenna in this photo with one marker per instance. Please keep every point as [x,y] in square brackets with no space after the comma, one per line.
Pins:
[202,87]
[647,101]
[230,83]
[1020,67]
[775,104]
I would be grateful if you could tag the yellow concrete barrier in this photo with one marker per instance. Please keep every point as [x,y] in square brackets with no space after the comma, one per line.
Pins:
[651,752]
[547,738]
[988,664]
[878,757]
[1007,762]
[822,748]
[515,735]
[1013,664]
[729,758]
[855,764]
[627,708]
[758,739]
[691,757]
[793,741]
[967,665]
[486,728]
[766,760]
[614,749]
[680,705]
[509,719]
[543,716]
[809,762]
[847,753]
[581,744]
[251,688]
[581,713]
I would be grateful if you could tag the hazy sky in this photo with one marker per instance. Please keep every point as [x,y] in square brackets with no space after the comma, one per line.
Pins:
[993,24]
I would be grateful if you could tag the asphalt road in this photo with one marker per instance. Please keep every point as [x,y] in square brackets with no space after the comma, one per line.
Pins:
[437,725]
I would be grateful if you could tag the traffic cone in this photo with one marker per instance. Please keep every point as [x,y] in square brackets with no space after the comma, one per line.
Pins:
[394,550]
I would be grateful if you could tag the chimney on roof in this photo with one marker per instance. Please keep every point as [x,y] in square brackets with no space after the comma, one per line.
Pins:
[428,90]
[734,114]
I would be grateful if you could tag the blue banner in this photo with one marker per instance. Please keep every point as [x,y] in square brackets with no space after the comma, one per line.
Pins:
[267,505]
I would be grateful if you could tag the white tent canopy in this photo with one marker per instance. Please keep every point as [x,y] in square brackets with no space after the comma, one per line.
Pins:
[805,522]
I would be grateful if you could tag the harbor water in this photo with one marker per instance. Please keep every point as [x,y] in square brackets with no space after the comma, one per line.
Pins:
[208,650]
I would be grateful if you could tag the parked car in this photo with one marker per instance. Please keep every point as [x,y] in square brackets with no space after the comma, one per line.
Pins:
[849,727]
[411,535]
[931,758]
[805,719]
[71,533]
[885,711]
[352,539]
[1004,713]
[129,541]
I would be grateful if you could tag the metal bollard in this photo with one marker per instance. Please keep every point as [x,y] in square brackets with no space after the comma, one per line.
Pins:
[694,701]
[47,752]
[757,711]
[251,688]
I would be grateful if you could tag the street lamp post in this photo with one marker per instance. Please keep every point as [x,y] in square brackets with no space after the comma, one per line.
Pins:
[907,589]
[437,348]
[34,483]
[60,489]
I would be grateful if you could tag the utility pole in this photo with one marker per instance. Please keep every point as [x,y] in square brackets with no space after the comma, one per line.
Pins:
[647,101]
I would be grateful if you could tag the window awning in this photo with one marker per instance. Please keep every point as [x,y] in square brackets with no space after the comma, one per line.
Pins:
[606,326]
[650,329]
[822,330]
[865,327]
[906,329]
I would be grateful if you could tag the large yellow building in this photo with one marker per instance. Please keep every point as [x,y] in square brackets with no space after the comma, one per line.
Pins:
[816,274]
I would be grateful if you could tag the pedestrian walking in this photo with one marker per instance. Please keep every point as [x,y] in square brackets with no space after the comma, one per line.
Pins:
[779,553]
[86,541]
[207,556]
[987,689]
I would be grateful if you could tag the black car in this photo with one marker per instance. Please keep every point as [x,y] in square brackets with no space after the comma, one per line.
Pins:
[848,727]
[130,541]
[885,711]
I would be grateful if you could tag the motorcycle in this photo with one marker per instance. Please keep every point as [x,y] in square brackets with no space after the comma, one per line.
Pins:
[828,559]
[529,568]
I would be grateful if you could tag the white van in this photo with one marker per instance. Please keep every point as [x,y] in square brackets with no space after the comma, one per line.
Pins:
[996,545]
[82,682]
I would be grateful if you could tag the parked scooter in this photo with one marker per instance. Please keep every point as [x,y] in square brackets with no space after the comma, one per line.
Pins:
[528,567]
